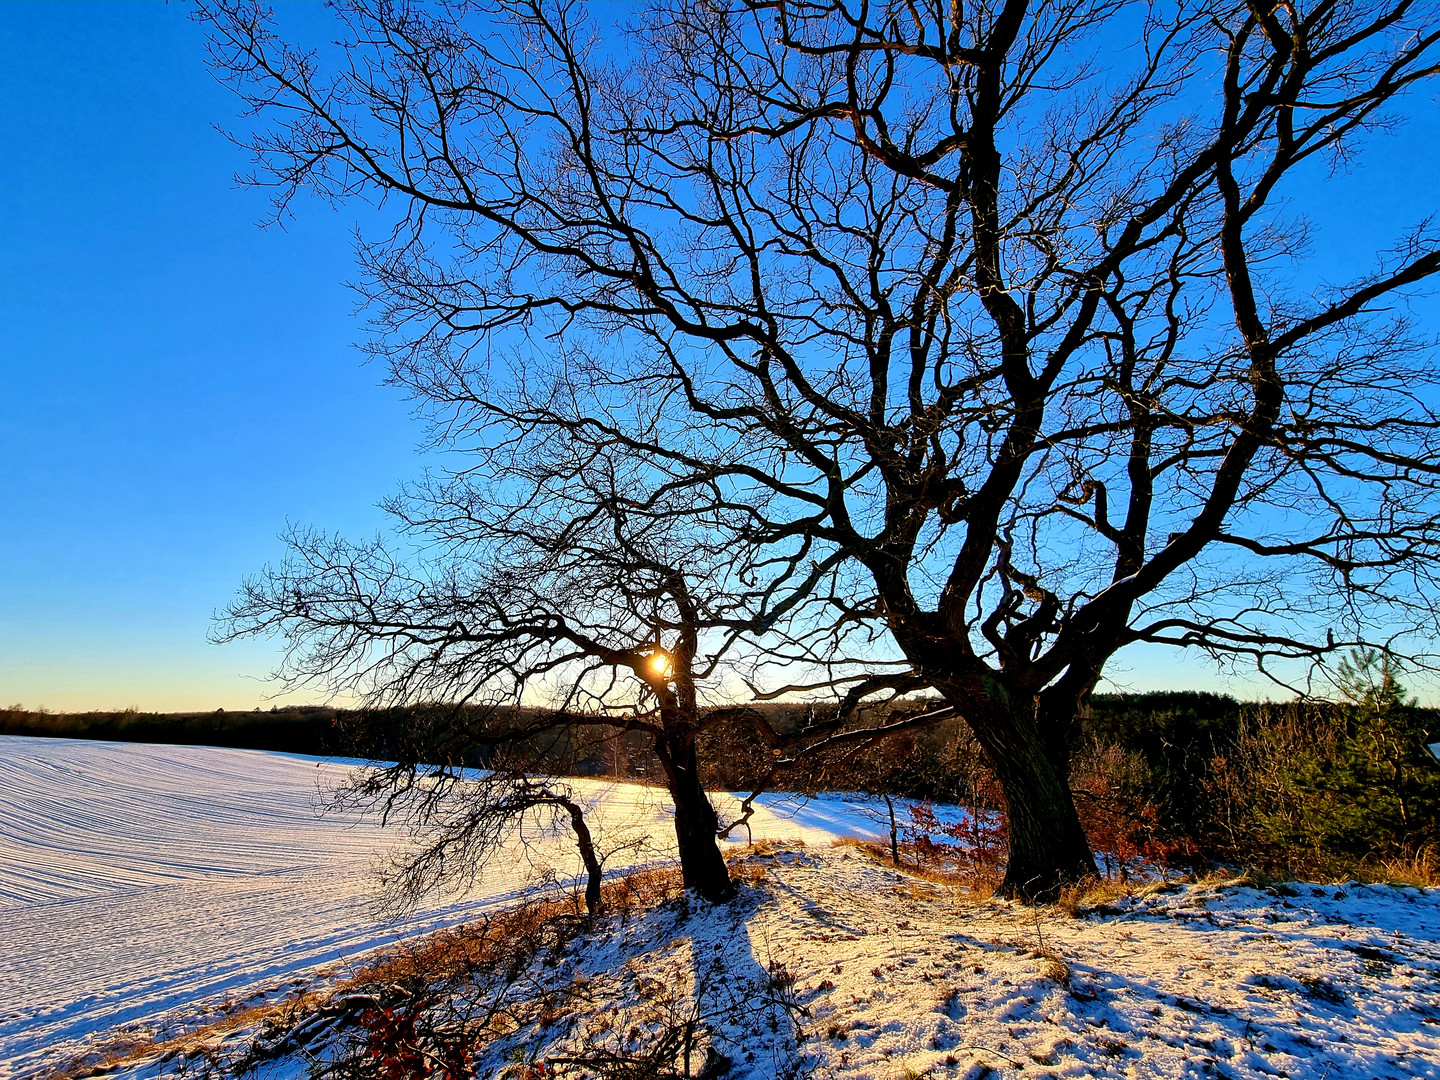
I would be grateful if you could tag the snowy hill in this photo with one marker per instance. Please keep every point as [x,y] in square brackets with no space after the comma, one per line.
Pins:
[137,879]
[831,965]
[142,881]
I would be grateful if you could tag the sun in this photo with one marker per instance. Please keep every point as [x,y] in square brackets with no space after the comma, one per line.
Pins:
[661,664]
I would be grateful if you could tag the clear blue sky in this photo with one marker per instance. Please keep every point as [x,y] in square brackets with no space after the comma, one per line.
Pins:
[175,382]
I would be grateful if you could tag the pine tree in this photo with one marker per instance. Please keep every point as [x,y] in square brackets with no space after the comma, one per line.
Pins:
[1379,794]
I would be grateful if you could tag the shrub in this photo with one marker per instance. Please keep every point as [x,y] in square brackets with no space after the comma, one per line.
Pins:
[1329,788]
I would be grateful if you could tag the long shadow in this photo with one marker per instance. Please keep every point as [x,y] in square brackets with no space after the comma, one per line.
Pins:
[709,999]
[712,998]
[757,1010]
[744,994]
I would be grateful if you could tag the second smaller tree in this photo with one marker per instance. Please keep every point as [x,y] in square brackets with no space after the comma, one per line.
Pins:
[540,627]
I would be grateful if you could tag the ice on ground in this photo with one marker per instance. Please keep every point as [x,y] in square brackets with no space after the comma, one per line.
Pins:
[137,879]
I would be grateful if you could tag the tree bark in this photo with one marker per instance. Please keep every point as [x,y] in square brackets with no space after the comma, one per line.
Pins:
[586,843]
[702,867]
[1048,848]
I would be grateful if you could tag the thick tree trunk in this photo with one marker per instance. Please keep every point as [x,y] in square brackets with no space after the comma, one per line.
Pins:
[1048,848]
[702,867]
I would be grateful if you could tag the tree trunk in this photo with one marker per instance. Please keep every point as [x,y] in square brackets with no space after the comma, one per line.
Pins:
[702,867]
[1048,848]
[586,844]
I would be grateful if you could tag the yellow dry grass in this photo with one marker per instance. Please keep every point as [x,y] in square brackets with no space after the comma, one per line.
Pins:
[126,1049]
[1421,870]
[979,883]
[1086,896]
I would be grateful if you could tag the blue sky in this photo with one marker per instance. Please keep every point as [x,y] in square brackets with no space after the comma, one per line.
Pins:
[176,382]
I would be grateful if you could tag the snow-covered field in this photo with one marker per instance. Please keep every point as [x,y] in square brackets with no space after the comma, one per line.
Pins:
[138,881]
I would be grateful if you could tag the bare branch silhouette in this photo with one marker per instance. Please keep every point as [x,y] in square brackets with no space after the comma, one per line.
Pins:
[971,328]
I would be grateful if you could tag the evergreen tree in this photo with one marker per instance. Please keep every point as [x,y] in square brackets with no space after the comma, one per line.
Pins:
[1378,793]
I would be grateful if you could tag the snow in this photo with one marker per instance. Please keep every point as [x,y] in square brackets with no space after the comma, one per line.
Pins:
[1204,980]
[901,978]
[136,880]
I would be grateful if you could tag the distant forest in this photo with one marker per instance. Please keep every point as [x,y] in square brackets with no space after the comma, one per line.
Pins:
[1171,730]
[304,729]
[1153,724]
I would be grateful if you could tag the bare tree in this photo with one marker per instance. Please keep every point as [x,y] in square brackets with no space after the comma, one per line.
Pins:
[548,592]
[977,322]
[461,818]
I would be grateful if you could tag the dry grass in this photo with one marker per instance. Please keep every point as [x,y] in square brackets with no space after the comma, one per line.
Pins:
[766,846]
[1249,878]
[1093,895]
[1103,895]
[878,852]
[747,873]
[1053,966]
[126,1049]
[979,881]
[1421,870]
[513,936]
[1099,895]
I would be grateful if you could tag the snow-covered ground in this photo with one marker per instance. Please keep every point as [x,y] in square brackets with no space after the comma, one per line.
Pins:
[897,979]
[905,979]
[137,880]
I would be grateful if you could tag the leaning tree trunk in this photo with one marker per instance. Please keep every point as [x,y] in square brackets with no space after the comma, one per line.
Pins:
[1048,848]
[702,867]
[586,843]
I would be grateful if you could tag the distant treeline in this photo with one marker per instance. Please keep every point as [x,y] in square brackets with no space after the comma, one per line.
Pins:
[304,729]
[434,733]
[1176,728]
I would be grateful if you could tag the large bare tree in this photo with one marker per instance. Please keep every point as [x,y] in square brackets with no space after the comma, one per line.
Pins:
[997,320]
